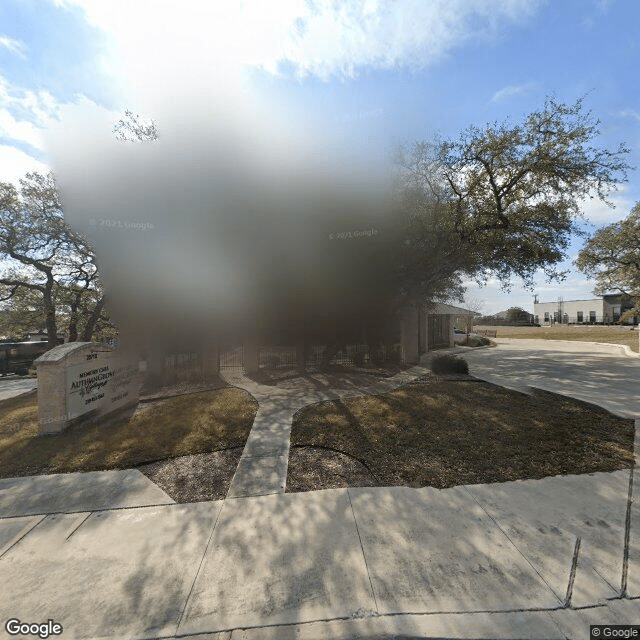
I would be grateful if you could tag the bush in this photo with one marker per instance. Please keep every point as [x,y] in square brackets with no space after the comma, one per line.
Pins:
[475,341]
[357,358]
[449,364]
[273,361]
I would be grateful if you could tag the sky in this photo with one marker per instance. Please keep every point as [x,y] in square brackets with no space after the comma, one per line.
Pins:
[348,80]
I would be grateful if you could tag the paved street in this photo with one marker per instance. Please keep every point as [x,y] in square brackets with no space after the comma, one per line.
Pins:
[15,385]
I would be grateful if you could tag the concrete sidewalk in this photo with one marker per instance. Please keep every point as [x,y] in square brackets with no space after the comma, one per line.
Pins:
[110,556]
[482,561]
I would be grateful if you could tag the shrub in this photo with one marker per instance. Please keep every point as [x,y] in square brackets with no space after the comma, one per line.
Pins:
[449,364]
[273,361]
[475,341]
[358,358]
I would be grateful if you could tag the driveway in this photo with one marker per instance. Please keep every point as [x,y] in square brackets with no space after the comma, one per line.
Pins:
[597,373]
[15,385]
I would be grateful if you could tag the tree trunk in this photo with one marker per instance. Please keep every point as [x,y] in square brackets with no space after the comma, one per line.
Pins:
[50,312]
[90,324]
[73,319]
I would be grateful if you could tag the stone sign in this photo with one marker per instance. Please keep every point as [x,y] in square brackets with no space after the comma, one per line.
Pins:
[82,380]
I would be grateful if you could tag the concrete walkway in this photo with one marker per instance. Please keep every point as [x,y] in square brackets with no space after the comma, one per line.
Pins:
[525,559]
[262,469]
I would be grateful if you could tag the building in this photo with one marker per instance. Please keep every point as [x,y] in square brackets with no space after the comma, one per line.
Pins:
[605,309]
[426,328]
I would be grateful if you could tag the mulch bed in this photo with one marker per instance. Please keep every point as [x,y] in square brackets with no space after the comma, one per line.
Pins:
[197,478]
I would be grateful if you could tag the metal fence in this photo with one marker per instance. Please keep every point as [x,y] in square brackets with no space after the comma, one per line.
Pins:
[231,357]
[279,357]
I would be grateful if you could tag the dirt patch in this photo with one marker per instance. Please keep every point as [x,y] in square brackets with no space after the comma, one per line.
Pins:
[197,478]
[312,468]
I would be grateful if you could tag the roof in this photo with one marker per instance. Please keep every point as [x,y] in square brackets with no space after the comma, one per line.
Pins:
[594,299]
[598,299]
[439,308]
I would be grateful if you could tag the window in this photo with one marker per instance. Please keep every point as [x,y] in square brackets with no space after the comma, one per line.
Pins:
[546,316]
[580,317]
[592,316]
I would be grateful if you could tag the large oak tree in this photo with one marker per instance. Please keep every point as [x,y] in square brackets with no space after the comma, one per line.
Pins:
[612,257]
[50,269]
[507,195]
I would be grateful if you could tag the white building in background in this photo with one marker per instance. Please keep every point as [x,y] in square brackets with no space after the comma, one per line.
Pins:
[602,310]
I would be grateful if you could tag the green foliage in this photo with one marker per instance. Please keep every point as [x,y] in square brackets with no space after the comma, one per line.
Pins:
[449,364]
[517,315]
[612,257]
[503,199]
[50,277]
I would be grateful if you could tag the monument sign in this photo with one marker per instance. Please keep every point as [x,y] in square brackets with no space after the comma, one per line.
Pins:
[82,380]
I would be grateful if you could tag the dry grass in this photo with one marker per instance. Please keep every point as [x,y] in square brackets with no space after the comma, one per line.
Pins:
[581,333]
[186,425]
[443,433]
[274,377]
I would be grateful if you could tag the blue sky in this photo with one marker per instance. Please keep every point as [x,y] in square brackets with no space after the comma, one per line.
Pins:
[373,73]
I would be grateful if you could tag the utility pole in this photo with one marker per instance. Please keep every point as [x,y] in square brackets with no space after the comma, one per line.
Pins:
[560,309]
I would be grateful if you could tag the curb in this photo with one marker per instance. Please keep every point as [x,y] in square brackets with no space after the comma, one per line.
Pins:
[626,350]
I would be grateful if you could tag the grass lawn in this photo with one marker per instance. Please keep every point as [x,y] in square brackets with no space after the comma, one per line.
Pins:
[443,432]
[185,425]
[582,333]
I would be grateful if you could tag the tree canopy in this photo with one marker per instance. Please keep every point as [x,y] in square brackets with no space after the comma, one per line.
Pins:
[51,271]
[612,257]
[507,196]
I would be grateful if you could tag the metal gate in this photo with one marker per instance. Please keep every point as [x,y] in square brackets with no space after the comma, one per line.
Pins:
[437,331]
[231,356]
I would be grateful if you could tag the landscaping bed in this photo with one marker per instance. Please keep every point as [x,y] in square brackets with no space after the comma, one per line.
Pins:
[442,432]
[186,425]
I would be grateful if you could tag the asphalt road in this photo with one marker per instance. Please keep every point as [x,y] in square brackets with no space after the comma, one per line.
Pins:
[14,385]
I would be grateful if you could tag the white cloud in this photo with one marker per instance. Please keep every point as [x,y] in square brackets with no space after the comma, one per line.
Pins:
[599,213]
[26,116]
[19,130]
[629,113]
[325,38]
[513,90]
[14,163]
[13,45]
